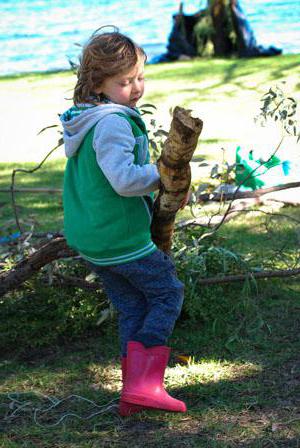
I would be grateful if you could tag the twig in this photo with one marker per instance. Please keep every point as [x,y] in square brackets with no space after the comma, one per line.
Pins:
[241,277]
[31,190]
[282,273]
[25,269]
[245,194]
[66,280]
[201,223]
[216,228]
[22,170]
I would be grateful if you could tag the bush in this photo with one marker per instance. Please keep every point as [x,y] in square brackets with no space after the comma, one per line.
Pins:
[222,308]
[41,315]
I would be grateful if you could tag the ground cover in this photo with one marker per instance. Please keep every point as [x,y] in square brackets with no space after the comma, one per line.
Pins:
[236,347]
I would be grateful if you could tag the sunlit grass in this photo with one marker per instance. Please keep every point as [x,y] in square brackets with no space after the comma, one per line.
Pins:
[210,371]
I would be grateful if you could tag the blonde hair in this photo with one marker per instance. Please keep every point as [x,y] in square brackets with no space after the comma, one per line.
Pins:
[104,55]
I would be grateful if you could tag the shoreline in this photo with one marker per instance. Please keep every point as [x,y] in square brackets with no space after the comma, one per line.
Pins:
[63,71]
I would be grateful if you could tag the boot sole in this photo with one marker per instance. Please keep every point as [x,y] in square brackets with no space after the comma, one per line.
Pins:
[149,402]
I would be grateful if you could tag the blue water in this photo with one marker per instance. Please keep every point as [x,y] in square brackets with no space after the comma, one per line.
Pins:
[40,35]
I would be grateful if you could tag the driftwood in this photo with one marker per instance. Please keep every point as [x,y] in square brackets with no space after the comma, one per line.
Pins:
[175,172]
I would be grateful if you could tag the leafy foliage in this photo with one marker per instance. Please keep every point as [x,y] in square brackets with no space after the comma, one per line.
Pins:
[280,107]
[223,310]
[40,314]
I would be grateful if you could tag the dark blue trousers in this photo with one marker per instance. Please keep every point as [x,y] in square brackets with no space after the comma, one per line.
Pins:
[147,295]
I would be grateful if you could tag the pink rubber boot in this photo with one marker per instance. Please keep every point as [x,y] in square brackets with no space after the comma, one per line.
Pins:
[145,377]
[127,409]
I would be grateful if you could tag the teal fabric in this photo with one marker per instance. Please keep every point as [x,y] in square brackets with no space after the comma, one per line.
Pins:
[253,173]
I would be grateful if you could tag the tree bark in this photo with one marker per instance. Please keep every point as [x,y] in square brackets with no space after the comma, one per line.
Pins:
[175,172]
[55,249]
[221,41]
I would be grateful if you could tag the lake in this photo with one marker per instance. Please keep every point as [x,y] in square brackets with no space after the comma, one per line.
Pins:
[40,35]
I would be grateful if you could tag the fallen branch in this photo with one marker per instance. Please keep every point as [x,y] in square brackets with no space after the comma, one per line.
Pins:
[25,269]
[65,280]
[96,286]
[58,248]
[31,190]
[217,197]
[241,277]
[238,209]
[205,197]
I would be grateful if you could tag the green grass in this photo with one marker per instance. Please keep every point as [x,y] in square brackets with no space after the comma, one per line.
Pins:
[34,76]
[241,386]
[248,396]
[43,211]
[220,79]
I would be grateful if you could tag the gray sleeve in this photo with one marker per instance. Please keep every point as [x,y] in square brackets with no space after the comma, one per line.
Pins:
[113,143]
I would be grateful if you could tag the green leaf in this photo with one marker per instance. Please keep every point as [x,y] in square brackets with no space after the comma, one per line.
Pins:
[148,105]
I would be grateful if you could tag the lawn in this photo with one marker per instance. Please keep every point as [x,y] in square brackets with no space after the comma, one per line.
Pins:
[235,358]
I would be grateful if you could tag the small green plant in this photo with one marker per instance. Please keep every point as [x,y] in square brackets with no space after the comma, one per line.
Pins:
[41,314]
[280,107]
[156,134]
[225,310]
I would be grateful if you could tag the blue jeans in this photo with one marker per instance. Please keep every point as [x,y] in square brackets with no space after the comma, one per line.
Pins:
[147,295]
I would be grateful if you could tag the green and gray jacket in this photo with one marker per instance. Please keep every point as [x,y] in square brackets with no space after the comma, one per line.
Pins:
[108,184]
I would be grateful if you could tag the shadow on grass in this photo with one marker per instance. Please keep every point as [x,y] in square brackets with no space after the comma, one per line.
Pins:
[255,404]
[245,411]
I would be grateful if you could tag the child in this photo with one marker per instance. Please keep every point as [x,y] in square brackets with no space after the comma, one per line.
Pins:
[108,198]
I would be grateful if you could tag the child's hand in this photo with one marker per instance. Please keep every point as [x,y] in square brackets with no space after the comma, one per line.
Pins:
[186,199]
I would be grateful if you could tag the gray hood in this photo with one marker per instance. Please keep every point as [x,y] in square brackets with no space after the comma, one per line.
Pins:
[77,121]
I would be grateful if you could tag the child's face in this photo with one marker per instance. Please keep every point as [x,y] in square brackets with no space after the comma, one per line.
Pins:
[125,89]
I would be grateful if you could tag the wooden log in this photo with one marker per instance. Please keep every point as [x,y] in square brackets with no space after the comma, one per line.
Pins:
[175,173]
